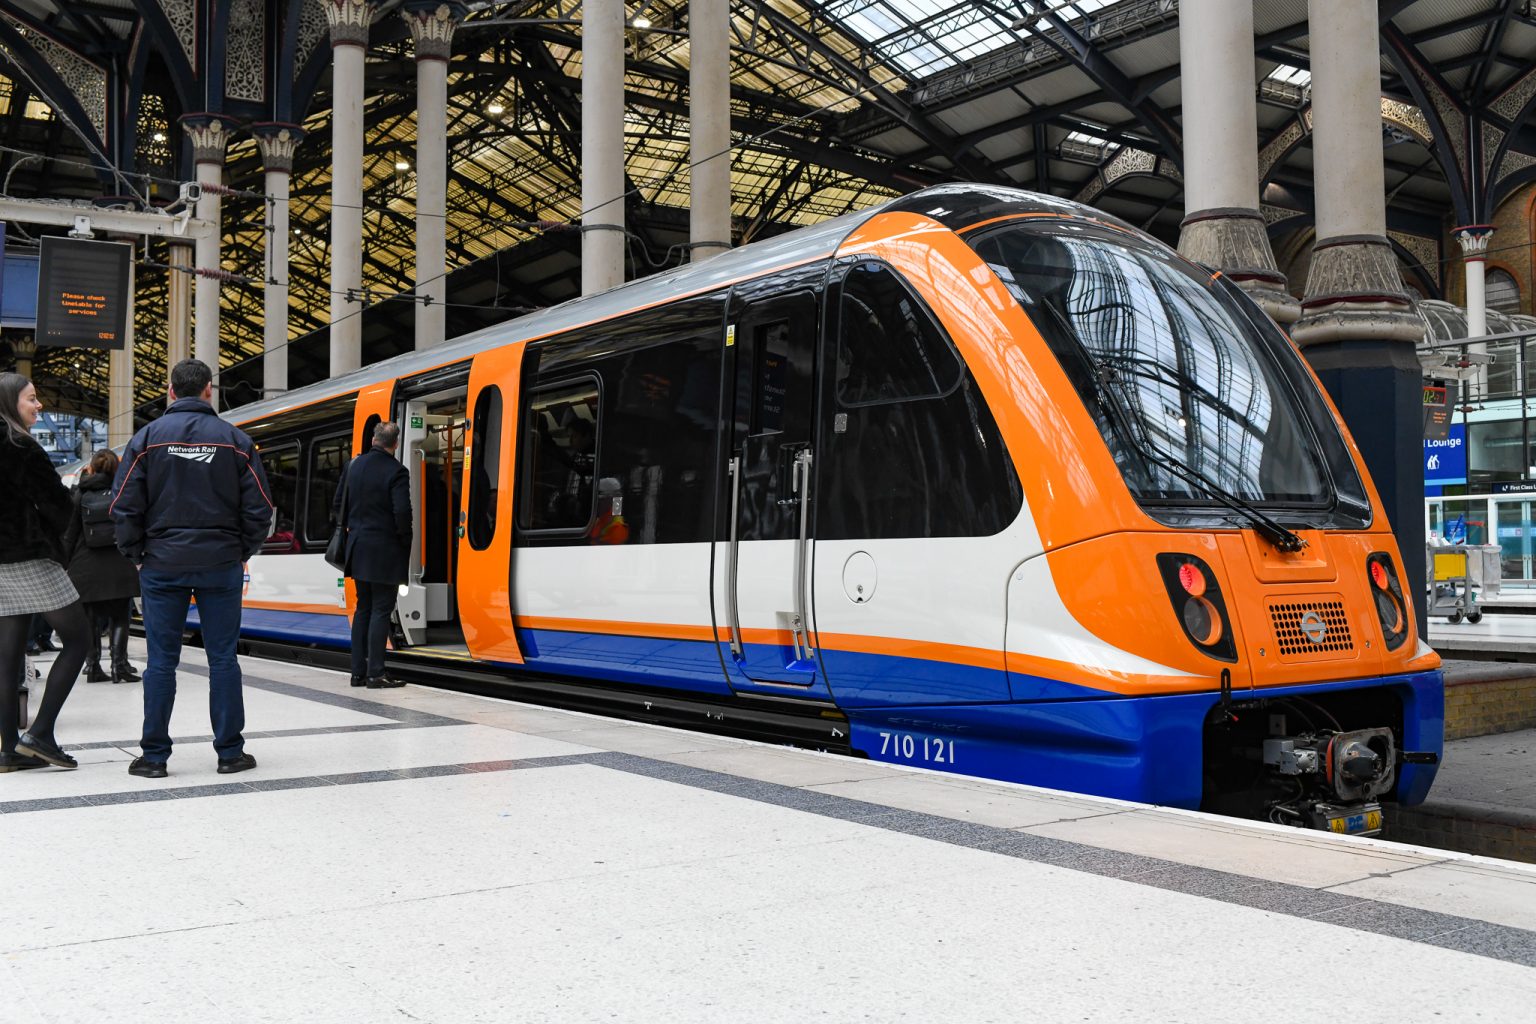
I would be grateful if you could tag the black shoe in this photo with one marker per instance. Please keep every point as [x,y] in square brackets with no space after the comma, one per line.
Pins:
[243,763]
[94,673]
[19,762]
[147,769]
[46,749]
[125,674]
[359,681]
[46,644]
[384,683]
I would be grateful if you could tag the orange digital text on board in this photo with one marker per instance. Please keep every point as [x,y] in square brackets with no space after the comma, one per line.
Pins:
[82,303]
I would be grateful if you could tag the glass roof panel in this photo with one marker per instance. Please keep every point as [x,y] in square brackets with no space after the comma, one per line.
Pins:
[922,41]
[1292,76]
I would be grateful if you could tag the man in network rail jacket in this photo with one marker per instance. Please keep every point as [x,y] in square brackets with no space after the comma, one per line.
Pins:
[191,504]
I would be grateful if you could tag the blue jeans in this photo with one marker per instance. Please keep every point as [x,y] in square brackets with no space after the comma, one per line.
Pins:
[166,597]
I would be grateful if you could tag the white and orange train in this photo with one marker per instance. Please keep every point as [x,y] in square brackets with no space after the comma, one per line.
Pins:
[1002,485]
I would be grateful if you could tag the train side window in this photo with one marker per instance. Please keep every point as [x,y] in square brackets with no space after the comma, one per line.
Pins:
[890,347]
[911,448]
[374,420]
[559,453]
[485,468]
[281,463]
[328,458]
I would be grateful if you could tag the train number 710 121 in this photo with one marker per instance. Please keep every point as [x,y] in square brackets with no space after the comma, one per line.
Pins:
[917,748]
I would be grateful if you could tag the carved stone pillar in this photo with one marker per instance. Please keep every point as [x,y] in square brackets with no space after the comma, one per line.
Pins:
[1474,240]
[178,290]
[709,107]
[278,143]
[210,135]
[349,22]
[120,372]
[1358,327]
[432,23]
[602,145]
[1222,226]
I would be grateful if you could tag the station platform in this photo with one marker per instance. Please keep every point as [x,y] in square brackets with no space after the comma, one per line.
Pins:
[1501,635]
[419,855]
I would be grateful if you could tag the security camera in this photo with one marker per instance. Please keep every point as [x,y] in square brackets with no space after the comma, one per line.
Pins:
[191,192]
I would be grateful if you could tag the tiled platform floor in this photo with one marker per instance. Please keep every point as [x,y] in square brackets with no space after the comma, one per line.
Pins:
[414,855]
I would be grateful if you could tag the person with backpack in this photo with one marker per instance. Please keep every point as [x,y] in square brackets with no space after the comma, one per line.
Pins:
[107,581]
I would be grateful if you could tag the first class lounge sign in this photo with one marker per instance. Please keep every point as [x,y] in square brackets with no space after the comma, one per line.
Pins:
[82,293]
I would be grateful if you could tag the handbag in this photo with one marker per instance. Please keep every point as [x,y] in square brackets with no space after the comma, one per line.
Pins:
[336,550]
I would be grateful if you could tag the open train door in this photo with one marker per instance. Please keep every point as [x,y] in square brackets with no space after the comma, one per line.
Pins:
[485,526]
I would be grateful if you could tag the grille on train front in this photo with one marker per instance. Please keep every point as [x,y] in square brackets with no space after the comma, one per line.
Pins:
[1312,629]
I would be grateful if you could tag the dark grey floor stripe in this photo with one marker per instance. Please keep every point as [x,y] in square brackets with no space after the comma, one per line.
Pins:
[1467,935]
[330,730]
[161,792]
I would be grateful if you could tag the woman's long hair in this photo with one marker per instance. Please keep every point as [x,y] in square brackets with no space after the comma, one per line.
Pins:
[11,387]
[104,463]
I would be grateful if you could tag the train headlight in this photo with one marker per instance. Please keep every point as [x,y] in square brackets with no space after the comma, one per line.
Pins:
[1198,603]
[1387,593]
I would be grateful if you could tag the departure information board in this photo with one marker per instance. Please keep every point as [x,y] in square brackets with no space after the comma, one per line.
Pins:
[82,293]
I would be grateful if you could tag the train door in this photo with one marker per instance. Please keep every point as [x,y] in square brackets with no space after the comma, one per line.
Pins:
[486,541]
[763,544]
[432,441]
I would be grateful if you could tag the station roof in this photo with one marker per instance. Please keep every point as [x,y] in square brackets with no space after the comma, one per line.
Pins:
[838,105]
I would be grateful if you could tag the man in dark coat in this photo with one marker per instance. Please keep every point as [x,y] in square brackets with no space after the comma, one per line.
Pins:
[374,506]
[191,504]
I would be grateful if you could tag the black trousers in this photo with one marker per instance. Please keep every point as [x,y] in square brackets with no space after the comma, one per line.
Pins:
[370,627]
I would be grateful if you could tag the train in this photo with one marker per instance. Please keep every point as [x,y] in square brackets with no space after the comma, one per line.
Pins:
[994,482]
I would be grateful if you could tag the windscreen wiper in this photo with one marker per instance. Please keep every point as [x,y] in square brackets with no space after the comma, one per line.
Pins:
[1282,538]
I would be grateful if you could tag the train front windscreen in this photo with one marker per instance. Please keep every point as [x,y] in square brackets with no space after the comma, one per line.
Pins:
[1200,398]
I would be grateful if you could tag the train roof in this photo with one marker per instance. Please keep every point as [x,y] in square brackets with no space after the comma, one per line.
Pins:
[953,205]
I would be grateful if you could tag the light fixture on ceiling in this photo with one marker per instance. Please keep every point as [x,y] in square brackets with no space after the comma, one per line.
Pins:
[641,22]
[402,165]
[495,109]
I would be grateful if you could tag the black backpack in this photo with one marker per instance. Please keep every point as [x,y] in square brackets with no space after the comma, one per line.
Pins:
[96,528]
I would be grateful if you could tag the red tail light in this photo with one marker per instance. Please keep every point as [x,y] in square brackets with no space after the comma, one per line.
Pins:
[1198,604]
[1391,606]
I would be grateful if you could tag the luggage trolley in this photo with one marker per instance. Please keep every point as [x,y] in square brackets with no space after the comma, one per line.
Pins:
[1450,584]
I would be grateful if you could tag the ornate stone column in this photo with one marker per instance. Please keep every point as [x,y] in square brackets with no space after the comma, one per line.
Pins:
[432,23]
[1474,240]
[1222,226]
[25,348]
[1358,327]
[602,145]
[120,372]
[278,143]
[709,102]
[209,134]
[178,288]
[349,21]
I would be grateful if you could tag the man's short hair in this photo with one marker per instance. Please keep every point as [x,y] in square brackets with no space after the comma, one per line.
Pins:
[386,434]
[189,377]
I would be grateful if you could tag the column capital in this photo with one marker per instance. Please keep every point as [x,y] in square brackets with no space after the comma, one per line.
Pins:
[1474,239]
[1354,292]
[432,23]
[209,134]
[349,21]
[278,142]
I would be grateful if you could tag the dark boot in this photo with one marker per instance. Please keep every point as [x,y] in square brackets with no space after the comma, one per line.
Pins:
[94,673]
[122,672]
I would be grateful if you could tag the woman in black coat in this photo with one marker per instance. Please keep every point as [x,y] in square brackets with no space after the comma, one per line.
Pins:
[106,580]
[34,508]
